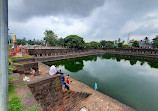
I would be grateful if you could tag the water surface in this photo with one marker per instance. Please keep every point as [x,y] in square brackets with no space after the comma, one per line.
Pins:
[131,80]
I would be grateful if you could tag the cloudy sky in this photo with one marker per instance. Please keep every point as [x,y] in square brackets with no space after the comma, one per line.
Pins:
[91,19]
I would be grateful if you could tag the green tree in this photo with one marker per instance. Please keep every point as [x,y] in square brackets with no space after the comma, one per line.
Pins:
[50,37]
[135,44]
[115,41]
[87,45]
[74,41]
[103,43]
[21,41]
[60,42]
[95,44]
[155,42]
[24,41]
[18,42]
[119,40]
[109,43]
[125,45]
[30,42]
[120,45]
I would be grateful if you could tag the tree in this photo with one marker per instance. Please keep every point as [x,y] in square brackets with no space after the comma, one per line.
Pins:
[120,45]
[87,45]
[119,40]
[21,41]
[115,41]
[74,41]
[24,41]
[109,43]
[30,42]
[18,41]
[95,44]
[155,42]
[106,43]
[103,42]
[60,42]
[50,37]
[135,44]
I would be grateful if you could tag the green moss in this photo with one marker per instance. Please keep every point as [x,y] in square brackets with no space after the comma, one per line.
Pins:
[21,85]
[12,79]
[26,56]
[14,101]
[10,66]
[34,108]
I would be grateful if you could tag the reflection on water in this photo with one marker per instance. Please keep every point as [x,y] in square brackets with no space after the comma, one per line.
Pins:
[76,64]
[131,80]
[73,65]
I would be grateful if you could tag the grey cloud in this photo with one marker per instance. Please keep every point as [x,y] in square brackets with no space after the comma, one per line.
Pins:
[121,11]
[105,23]
[30,8]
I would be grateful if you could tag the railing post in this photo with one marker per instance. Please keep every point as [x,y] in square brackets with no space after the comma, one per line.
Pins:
[3,55]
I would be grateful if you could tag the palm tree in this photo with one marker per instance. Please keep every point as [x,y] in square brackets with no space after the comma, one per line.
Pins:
[119,40]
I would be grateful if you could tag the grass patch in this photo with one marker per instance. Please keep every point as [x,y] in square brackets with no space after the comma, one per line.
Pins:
[14,101]
[21,85]
[34,108]
[26,56]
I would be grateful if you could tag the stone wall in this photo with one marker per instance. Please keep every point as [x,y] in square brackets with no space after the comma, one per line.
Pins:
[133,50]
[56,52]
[48,92]
[24,60]
[25,68]
[24,93]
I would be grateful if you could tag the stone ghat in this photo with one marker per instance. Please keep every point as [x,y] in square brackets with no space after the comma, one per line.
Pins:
[95,101]
[59,55]
[45,92]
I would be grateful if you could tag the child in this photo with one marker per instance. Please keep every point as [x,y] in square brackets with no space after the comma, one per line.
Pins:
[67,86]
[63,79]
[32,73]
[67,79]
[95,87]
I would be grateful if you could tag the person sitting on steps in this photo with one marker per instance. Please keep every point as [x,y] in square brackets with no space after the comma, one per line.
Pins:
[33,73]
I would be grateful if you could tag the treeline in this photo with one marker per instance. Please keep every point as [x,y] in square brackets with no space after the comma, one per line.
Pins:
[75,41]
[30,42]
[71,41]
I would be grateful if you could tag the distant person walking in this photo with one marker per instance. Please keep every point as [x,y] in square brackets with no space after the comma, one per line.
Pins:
[22,50]
[53,70]
[95,86]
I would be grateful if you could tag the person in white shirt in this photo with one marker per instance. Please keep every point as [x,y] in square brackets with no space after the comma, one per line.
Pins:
[53,70]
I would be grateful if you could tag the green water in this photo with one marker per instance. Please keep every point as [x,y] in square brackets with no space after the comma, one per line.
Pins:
[130,80]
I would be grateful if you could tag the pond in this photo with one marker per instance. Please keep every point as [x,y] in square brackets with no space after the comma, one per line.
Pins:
[128,79]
